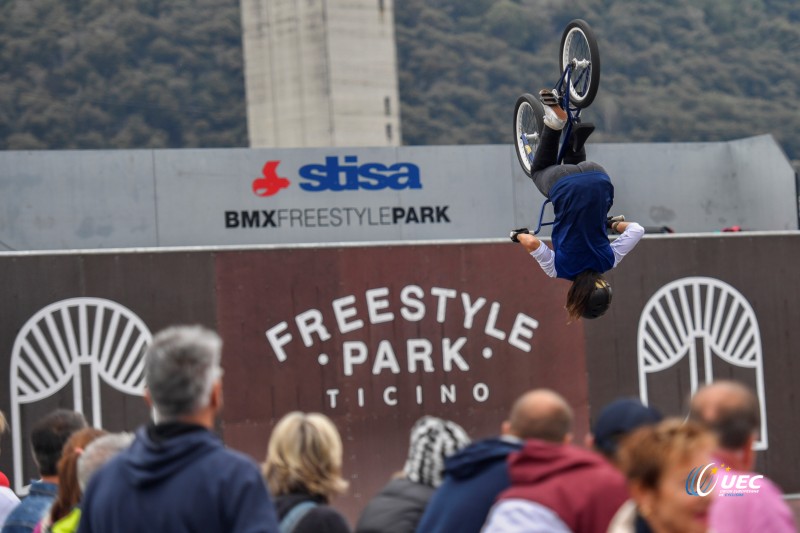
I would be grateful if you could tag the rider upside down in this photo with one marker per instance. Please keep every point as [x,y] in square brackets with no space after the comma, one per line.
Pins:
[582,194]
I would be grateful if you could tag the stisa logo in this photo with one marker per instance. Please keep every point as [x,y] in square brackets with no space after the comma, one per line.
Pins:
[350,176]
[346,175]
[702,481]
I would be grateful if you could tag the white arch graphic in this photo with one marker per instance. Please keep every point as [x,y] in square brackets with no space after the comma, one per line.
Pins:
[52,346]
[712,312]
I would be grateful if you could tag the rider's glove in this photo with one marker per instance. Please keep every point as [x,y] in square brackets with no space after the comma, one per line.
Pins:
[611,222]
[514,233]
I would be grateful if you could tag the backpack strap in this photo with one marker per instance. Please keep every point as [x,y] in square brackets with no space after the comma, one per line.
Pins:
[293,517]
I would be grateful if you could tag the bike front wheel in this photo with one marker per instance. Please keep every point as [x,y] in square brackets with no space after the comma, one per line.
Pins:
[528,124]
[579,48]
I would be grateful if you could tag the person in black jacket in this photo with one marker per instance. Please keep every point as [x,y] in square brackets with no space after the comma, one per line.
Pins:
[476,475]
[399,506]
[303,470]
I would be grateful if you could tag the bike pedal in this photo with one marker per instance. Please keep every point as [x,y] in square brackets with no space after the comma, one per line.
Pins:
[549,97]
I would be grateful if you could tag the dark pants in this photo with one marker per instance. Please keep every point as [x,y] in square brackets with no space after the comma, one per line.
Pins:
[545,171]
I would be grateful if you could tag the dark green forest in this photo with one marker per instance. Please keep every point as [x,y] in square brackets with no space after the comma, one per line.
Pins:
[169,73]
[121,74]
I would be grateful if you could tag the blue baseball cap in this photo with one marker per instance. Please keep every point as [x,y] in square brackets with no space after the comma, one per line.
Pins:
[618,419]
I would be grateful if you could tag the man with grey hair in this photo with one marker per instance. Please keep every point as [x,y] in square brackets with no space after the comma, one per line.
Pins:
[98,453]
[177,475]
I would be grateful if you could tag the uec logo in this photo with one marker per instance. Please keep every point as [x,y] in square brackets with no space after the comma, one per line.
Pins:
[700,484]
[696,485]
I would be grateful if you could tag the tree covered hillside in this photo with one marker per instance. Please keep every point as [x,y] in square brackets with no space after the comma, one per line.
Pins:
[689,70]
[168,73]
[121,74]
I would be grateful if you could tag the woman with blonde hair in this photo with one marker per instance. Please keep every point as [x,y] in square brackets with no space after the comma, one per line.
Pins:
[303,470]
[658,460]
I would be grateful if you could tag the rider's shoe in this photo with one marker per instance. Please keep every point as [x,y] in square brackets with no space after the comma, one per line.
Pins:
[580,133]
[554,116]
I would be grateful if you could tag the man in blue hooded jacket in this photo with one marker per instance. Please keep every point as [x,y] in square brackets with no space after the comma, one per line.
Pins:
[177,475]
[476,475]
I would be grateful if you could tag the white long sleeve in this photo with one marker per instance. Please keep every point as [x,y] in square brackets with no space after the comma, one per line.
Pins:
[627,241]
[546,259]
[621,246]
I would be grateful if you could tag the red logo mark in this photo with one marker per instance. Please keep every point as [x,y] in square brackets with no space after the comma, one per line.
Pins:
[271,183]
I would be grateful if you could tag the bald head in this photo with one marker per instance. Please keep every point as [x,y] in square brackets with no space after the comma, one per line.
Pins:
[541,414]
[730,409]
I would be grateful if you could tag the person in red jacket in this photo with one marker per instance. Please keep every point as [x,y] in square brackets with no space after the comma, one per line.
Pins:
[557,487]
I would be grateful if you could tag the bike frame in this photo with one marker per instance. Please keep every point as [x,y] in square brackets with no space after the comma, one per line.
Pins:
[573,117]
[573,113]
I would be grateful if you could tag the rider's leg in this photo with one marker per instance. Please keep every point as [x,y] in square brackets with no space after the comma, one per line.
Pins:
[545,171]
[575,152]
[547,151]
[571,157]
[580,133]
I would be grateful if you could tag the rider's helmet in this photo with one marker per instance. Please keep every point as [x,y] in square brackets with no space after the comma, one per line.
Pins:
[599,300]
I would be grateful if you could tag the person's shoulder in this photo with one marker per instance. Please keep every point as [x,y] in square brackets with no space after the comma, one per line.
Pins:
[42,489]
[232,470]
[769,487]
[524,515]
[768,494]
[235,459]
[323,518]
[765,510]
[405,486]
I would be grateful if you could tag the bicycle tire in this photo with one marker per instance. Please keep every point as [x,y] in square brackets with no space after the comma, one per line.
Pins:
[579,42]
[528,119]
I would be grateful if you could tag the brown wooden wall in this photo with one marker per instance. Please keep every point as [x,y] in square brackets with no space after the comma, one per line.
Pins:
[411,298]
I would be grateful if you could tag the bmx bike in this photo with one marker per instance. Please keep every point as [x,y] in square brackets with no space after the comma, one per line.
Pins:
[579,60]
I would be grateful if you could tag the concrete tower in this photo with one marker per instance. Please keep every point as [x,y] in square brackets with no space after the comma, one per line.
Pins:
[320,73]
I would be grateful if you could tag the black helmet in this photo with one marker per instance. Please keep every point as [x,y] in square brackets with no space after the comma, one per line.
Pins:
[599,300]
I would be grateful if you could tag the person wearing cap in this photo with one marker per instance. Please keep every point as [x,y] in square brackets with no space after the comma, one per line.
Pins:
[398,507]
[557,487]
[582,194]
[617,420]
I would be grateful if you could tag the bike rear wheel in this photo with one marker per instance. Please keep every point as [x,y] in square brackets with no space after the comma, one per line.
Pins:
[528,124]
[579,44]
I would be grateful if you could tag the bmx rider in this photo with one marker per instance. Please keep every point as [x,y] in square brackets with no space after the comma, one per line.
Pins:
[582,194]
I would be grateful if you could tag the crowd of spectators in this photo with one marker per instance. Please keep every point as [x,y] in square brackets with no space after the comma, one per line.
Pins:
[635,473]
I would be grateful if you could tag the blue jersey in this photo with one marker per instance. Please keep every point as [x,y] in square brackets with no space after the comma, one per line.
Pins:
[581,203]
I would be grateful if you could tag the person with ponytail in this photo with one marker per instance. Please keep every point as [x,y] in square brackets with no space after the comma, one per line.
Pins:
[65,514]
[582,194]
